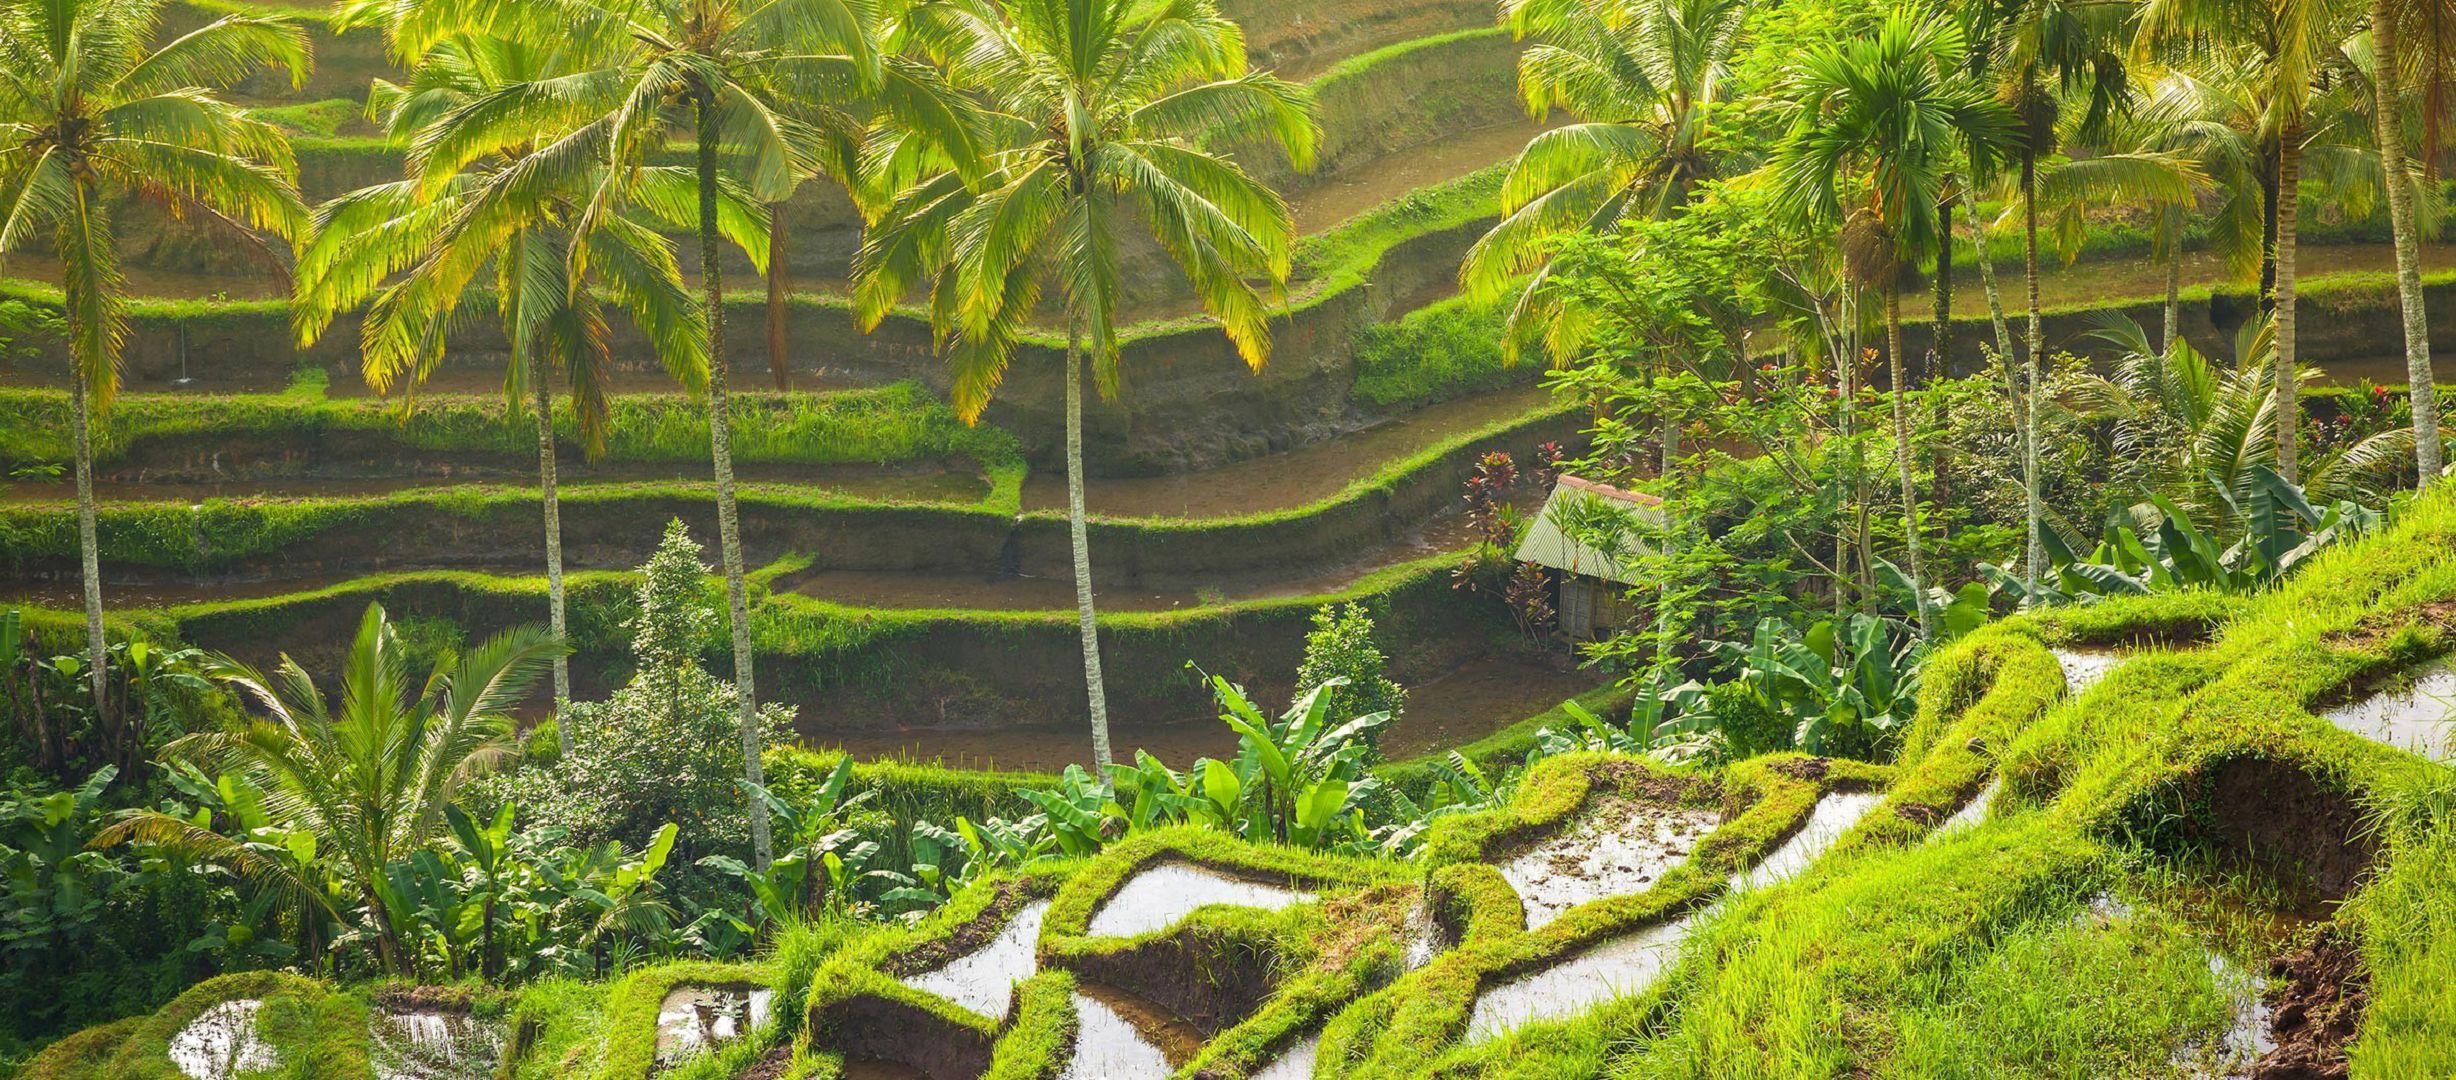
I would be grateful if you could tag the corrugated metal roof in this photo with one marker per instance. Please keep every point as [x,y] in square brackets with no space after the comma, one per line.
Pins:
[1547,545]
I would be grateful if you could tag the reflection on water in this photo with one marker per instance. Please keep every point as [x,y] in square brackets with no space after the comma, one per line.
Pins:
[2419,716]
[694,1019]
[2083,668]
[1156,897]
[222,1043]
[1296,1062]
[1971,813]
[433,1044]
[1629,964]
[1623,846]
[1110,1047]
[984,980]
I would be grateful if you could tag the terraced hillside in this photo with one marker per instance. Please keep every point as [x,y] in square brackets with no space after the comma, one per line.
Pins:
[2064,869]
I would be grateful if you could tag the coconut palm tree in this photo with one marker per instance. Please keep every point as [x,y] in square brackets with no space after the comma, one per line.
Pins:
[1645,75]
[1884,118]
[2285,43]
[369,782]
[2389,61]
[2074,46]
[1099,115]
[647,72]
[91,115]
[419,247]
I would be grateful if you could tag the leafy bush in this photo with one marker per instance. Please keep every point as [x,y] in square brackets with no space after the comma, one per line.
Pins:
[1340,647]
[2156,547]
[667,747]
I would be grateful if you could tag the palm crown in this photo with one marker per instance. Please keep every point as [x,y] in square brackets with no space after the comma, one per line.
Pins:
[1645,74]
[89,113]
[1089,106]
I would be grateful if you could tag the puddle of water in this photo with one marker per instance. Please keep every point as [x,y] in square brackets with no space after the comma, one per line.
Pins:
[1971,813]
[1296,1063]
[2084,667]
[1624,846]
[2419,717]
[1109,1047]
[1156,897]
[694,1019]
[432,1044]
[1621,966]
[1628,964]
[222,1043]
[1833,816]
[1289,478]
[2247,1036]
[984,980]
[1425,939]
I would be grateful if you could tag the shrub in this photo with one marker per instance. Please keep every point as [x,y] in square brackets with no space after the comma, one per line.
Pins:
[1341,646]
[665,747]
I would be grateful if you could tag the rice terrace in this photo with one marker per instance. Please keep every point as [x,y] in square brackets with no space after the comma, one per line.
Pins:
[1265,539]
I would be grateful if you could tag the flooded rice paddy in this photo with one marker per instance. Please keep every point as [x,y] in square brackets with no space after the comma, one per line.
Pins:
[1628,964]
[1622,846]
[434,1044]
[222,1043]
[2416,714]
[1109,1046]
[696,1019]
[984,979]
[1160,896]
[2084,667]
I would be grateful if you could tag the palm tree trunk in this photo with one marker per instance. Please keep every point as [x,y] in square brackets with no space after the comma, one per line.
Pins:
[720,446]
[2288,407]
[89,549]
[2028,409]
[1995,297]
[1080,534]
[543,392]
[2170,223]
[780,366]
[1940,358]
[1902,450]
[2268,228]
[2391,119]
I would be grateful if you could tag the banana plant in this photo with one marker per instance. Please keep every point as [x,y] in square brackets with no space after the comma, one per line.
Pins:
[2155,546]
[1846,687]
[1296,776]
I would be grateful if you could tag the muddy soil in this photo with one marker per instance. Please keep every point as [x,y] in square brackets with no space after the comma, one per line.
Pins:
[2279,814]
[1288,478]
[893,1039]
[1619,846]
[2315,1010]
[1474,699]
[1156,897]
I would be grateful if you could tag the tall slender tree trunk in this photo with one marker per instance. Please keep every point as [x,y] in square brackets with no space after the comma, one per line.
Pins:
[2170,225]
[1995,296]
[1662,596]
[1902,450]
[2288,407]
[1940,358]
[720,446]
[2270,156]
[2036,550]
[541,390]
[2390,114]
[1095,689]
[780,365]
[89,549]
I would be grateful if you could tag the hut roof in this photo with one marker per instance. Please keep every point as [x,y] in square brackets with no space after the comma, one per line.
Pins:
[1575,496]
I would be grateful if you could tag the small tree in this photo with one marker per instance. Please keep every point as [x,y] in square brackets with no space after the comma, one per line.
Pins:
[1341,646]
[663,748]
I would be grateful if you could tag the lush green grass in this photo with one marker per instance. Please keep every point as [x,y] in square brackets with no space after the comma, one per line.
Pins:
[895,423]
[1434,353]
